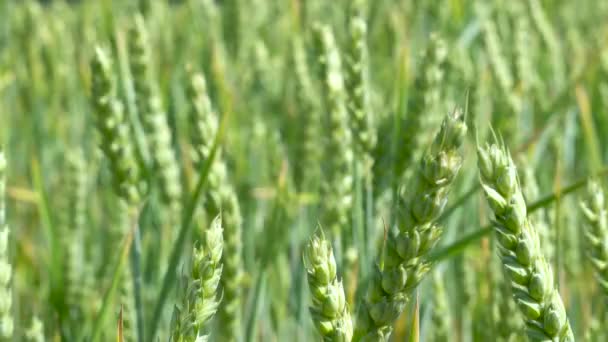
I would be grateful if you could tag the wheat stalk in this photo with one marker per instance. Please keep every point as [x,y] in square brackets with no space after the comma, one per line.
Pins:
[506,317]
[358,90]
[74,220]
[307,99]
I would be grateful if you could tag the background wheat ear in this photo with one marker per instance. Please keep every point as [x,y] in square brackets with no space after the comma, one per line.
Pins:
[113,128]
[337,188]
[593,208]
[220,198]
[153,117]
[404,261]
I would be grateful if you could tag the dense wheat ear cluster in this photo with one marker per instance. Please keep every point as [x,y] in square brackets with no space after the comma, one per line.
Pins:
[329,309]
[357,87]
[531,276]
[404,263]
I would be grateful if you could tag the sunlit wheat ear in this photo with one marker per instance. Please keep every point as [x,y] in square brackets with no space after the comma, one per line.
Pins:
[405,263]
[200,298]
[525,266]
[329,309]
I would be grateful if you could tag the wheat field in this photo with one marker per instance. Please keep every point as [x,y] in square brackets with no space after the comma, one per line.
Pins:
[306,170]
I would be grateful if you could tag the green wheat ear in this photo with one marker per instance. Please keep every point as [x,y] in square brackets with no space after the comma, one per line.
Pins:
[220,197]
[152,115]
[113,129]
[593,208]
[200,299]
[358,90]
[404,261]
[525,266]
[337,189]
[329,309]
[74,221]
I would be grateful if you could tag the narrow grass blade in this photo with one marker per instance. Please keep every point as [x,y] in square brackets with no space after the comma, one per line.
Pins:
[108,298]
[55,267]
